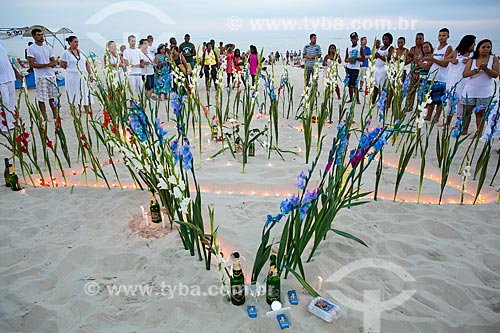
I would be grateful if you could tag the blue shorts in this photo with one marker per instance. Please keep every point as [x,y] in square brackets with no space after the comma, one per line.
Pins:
[353,77]
[149,81]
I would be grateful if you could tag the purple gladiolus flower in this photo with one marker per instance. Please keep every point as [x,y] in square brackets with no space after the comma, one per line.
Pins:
[301,183]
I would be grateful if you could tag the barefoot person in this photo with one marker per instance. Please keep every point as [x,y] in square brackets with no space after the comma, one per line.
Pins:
[482,70]
[354,56]
[148,68]
[41,59]
[382,56]
[438,72]
[78,75]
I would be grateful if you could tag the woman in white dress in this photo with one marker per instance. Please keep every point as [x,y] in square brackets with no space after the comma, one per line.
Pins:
[455,83]
[78,74]
[114,63]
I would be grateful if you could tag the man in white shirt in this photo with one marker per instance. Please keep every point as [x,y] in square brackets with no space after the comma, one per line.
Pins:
[8,74]
[41,60]
[132,57]
[151,48]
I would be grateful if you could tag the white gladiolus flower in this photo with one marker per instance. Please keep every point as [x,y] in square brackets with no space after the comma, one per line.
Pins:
[162,184]
[420,121]
[182,186]
[466,172]
[177,192]
[184,204]
[172,180]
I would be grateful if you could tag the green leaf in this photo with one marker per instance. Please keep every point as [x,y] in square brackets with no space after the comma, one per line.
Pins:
[303,282]
[348,235]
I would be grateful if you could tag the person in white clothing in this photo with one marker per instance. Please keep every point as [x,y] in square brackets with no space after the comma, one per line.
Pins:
[482,70]
[8,74]
[455,83]
[78,75]
[438,72]
[148,69]
[41,59]
[113,62]
[132,57]
[382,56]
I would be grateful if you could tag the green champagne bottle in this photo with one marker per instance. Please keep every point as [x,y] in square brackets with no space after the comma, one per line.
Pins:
[154,208]
[273,288]
[215,132]
[237,282]
[251,147]
[6,172]
[14,180]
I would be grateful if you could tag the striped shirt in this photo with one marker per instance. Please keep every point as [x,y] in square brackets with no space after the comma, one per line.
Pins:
[311,50]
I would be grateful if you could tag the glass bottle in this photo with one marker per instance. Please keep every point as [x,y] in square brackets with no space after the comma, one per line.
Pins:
[273,287]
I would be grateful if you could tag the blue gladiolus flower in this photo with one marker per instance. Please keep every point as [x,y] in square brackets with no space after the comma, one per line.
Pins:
[381,101]
[160,131]
[187,157]
[138,122]
[174,147]
[303,211]
[286,206]
[294,200]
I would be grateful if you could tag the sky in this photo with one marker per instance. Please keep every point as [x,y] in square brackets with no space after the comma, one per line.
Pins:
[266,23]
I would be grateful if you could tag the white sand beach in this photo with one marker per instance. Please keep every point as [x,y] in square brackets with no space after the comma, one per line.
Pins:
[55,241]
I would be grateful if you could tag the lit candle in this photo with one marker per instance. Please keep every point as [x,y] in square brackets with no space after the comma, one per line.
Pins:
[162,220]
[320,283]
[146,219]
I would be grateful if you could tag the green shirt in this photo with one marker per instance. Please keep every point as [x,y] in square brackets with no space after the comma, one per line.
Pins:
[188,48]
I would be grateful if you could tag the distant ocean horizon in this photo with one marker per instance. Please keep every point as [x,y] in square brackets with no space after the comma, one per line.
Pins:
[16,46]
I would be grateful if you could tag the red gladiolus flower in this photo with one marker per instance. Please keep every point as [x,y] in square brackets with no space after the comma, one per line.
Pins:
[26,135]
[2,113]
[113,130]
[23,150]
[49,144]
[82,138]
[107,118]
[19,139]
[16,115]
[110,97]
[4,123]
[85,145]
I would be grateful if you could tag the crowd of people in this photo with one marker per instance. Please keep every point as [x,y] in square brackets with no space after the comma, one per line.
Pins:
[468,70]
[465,74]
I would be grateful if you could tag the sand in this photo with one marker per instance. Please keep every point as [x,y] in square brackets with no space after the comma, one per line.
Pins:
[58,244]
